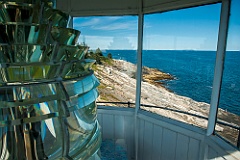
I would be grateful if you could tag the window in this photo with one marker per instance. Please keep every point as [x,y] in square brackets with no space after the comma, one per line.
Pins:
[229,104]
[178,59]
[113,43]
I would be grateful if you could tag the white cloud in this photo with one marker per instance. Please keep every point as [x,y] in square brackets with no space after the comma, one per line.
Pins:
[120,42]
[117,26]
[133,40]
[164,42]
[113,18]
[108,32]
[91,22]
[109,42]
[95,42]
[107,23]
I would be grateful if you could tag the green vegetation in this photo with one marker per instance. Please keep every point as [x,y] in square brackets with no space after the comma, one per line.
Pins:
[99,57]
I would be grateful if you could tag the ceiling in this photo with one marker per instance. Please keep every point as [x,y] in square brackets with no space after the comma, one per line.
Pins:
[125,7]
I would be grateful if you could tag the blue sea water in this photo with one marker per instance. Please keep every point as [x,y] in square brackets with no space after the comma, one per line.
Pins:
[193,72]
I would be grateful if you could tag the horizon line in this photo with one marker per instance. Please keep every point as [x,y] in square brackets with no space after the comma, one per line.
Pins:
[165,50]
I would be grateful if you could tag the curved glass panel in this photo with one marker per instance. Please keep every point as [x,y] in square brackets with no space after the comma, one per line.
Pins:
[29,53]
[12,12]
[67,53]
[28,73]
[80,101]
[66,36]
[25,33]
[56,17]
[42,72]
[33,92]
[81,86]
[24,53]
[47,87]
[77,69]
[31,13]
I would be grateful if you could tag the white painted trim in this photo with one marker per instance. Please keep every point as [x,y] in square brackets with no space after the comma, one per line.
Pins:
[139,59]
[173,125]
[218,73]
[139,73]
[116,111]
[222,146]
[156,119]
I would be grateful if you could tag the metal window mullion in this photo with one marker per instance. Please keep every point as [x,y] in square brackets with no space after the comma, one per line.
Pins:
[70,24]
[219,65]
[139,62]
[139,74]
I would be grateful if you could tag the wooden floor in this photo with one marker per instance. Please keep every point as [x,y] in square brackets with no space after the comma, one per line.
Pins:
[112,150]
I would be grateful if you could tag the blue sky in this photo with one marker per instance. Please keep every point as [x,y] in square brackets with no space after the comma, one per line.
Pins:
[194,28]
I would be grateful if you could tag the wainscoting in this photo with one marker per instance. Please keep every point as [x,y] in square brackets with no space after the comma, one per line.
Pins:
[160,138]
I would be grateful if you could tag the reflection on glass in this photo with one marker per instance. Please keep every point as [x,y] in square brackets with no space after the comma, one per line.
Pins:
[29,13]
[28,73]
[27,53]
[78,68]
[10,13]
[81,86]
[31,92]
[68,53]
[23,33]
[56,17]
[66,36]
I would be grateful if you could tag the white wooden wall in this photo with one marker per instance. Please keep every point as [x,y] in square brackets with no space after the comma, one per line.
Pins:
[160,138]
[118,125]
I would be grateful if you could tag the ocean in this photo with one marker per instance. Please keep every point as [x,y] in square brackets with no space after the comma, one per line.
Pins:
[193,72]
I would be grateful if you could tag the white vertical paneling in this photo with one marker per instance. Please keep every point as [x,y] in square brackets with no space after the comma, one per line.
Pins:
[182,147]
[129,136]
[157,142]
[119,127]
[160,139]
[168,144]
[147,140]
[108,126]
[141,138]
[193,149]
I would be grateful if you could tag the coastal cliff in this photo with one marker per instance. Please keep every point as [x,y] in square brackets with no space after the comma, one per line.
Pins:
[118,84]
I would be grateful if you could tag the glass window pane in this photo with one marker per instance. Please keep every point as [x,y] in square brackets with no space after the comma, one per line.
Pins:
[178,58]
[229,104]
[113,43]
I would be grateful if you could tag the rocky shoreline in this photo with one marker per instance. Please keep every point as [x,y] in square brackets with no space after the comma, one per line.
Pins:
[118,84]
